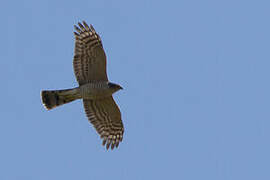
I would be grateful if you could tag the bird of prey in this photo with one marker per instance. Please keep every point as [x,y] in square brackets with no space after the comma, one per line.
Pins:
[94,88]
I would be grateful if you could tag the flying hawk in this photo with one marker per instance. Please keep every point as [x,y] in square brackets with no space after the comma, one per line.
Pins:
[94,88]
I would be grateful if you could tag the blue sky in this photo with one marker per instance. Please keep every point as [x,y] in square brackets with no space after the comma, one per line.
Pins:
[195,103]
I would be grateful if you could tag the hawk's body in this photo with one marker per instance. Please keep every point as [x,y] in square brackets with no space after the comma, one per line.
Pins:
[94,88]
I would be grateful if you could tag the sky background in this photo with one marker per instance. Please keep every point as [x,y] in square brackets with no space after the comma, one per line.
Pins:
[196,96]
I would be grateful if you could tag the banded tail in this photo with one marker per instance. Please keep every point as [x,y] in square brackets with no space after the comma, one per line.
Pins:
[52,99]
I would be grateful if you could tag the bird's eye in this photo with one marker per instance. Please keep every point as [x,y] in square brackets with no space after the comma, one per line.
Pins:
[111,85]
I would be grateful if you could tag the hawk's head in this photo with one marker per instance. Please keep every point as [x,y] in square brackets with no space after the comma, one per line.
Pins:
[114,87]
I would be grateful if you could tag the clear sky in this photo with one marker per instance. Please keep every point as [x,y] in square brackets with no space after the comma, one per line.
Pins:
[196,96]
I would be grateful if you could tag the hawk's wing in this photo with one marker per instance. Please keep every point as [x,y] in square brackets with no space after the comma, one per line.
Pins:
[89,61]
[105,116]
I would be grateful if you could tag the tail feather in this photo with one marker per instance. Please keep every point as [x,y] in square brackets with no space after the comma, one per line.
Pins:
[52,99]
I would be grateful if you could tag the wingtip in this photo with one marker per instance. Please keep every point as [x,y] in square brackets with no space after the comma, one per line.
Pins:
[86,25]
[81,26]
[77,29]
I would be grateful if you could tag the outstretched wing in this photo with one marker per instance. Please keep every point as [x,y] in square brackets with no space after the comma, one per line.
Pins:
[105,116]
[89,61]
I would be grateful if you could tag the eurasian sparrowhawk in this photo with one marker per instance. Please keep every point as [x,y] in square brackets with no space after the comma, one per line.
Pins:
[94,89]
